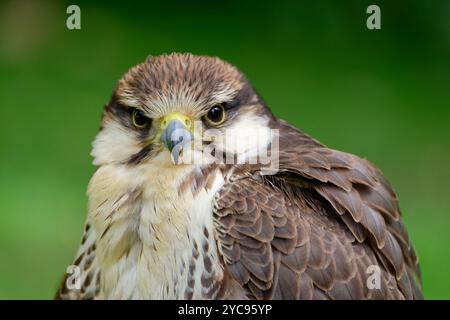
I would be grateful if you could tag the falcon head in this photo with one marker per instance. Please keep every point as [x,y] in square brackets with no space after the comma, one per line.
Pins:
[171,107]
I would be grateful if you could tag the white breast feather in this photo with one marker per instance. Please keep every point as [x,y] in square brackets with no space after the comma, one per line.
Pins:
[146,251]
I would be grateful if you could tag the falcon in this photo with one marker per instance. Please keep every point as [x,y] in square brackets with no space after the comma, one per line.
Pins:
[181,205]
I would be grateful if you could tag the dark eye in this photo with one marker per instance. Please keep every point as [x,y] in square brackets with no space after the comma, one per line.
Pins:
[216,115]
[140,121]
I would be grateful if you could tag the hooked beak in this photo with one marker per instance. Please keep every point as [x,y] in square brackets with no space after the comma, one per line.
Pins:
[176,131]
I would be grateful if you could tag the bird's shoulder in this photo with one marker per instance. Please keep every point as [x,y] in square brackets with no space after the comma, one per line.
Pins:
[325,214]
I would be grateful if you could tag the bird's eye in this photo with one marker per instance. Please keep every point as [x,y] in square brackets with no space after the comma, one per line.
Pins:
[140,121]
[216,115]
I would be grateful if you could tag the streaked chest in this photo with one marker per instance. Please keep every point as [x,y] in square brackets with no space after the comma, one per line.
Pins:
[157,241]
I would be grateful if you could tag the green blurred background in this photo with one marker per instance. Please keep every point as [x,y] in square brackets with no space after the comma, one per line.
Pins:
[383,95]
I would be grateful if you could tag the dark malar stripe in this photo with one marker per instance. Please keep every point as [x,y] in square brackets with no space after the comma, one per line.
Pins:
[140,156]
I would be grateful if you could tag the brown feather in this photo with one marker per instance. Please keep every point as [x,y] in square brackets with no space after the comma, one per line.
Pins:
[342,214]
